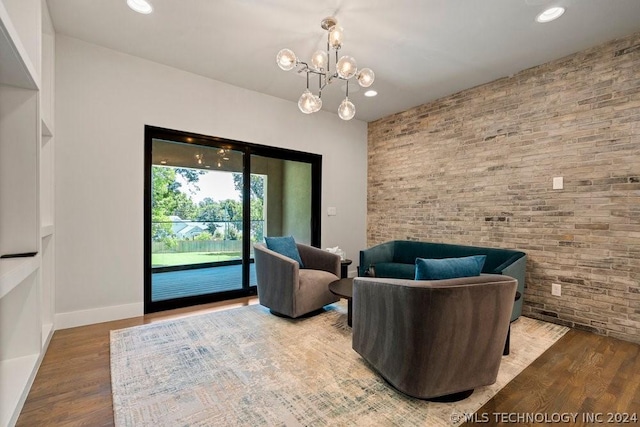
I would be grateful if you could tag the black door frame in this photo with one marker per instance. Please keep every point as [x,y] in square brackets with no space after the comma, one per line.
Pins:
[248,149]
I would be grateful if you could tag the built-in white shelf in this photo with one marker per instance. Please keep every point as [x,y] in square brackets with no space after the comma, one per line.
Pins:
[14,271]
[16,377]
[27,284]
[47,333]
[47,230]
[47,131]
[16,69]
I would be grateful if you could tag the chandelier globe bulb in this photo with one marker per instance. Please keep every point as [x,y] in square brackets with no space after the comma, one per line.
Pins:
[346,67]
[336,36]
[318,103]
[286,59]
[320,59]
[366,77]
[307,102]
[346,110]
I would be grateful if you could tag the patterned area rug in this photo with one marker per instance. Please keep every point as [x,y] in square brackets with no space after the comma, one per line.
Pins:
[246,367]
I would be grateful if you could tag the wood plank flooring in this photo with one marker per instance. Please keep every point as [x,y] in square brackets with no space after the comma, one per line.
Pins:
[581,373]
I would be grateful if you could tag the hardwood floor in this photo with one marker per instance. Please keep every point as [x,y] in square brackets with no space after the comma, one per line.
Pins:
[582,373]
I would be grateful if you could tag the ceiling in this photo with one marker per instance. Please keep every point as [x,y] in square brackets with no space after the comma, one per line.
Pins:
[195,156]
[420,50]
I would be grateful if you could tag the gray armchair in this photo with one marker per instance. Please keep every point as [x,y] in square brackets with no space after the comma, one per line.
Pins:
[286,289]
[433,339]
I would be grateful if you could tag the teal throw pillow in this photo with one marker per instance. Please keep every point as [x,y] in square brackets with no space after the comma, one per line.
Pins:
[449,268]
[284,246]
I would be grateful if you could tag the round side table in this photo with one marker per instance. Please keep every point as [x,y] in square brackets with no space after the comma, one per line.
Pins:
[344,268]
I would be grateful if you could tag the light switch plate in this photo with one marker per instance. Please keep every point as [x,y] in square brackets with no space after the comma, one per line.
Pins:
[558,183]
[332,211]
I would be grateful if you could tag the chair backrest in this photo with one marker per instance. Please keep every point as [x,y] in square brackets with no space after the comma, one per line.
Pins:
[407,251]
[432,338]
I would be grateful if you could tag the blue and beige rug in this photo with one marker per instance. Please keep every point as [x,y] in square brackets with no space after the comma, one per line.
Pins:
[246,367]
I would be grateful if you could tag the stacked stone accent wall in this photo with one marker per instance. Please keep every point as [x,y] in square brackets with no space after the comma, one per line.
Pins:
[477,168]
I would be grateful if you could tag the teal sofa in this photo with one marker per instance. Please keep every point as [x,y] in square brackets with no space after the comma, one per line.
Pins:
[396,259]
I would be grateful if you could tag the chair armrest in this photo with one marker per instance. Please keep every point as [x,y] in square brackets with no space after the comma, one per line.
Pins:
[317,259]
[379,253]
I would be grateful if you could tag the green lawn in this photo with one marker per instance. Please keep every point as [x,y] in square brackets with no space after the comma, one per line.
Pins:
[185,258]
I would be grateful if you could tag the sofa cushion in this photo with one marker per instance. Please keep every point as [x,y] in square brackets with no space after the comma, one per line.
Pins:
[284,246]
[394,270]
[448,268]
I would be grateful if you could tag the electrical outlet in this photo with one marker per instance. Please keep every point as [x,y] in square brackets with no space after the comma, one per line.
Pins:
[556,289]
[558,183]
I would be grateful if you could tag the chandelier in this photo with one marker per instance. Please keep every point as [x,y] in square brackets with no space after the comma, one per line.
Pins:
[221,155]
[344,69]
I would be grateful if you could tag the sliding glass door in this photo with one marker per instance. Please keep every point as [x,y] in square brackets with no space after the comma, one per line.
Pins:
[207,202]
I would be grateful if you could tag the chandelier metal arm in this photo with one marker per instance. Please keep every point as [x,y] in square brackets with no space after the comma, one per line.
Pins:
[328,60]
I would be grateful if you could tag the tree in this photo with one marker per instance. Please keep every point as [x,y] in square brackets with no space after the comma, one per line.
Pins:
[185,208]
[257,203]
[167,199]
[209,211]
[204,236]
[257,220]
[256,185]
[192,176]
[231,232]
[231,210]
[163,180]
[166,194]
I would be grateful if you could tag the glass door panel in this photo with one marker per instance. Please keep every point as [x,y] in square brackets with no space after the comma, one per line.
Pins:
[283,203]
[196,220]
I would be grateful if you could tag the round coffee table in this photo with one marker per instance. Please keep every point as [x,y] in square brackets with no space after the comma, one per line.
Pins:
[344,289]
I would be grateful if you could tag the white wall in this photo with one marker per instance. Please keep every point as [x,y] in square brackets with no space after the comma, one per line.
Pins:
[103,101]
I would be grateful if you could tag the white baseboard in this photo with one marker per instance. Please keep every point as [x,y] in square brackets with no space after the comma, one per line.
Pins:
[98,315]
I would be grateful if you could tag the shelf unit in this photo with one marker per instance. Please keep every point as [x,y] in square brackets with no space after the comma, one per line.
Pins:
[27,284]
[47,175]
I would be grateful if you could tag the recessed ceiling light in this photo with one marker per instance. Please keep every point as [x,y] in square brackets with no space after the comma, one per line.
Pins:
[370,93]
[140,6]
[550,14]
